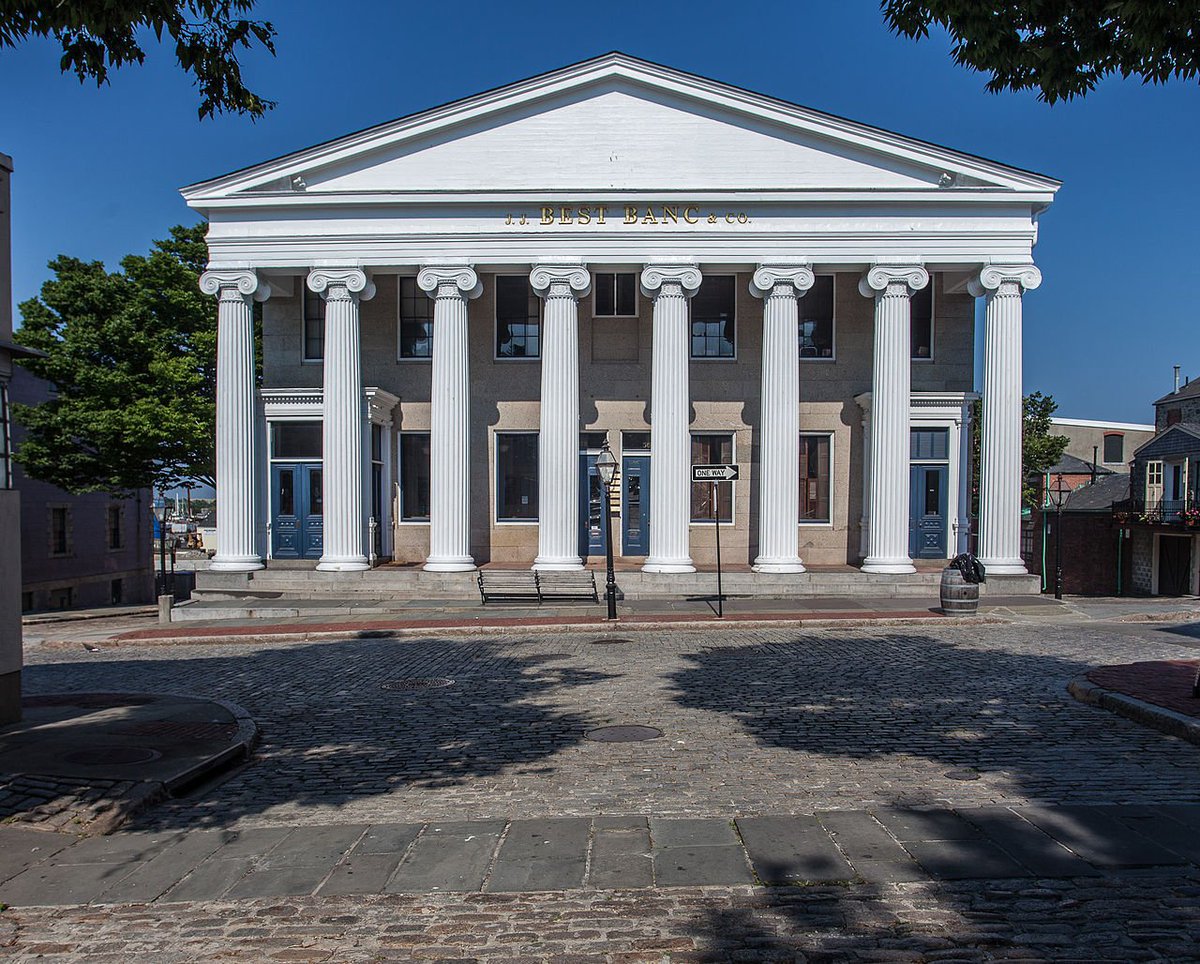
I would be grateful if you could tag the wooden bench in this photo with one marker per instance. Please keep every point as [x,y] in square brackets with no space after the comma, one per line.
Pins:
[508,584]
[496,584]
[568,584]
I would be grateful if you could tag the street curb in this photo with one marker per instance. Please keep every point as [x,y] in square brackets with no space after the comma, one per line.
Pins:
[1148,714]
[250,636]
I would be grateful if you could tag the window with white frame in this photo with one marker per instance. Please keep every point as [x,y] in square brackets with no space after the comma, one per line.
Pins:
[314,324]
[815,451]
[614,295]
[712,449]
[714,318]
[416,321]
[921,321]
[518,318]
[516,477]
[414,477]
[816,311]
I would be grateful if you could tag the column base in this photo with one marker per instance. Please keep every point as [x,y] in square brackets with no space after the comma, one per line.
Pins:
[450,564]
[668,565]
[343,564]
[236,563]
[557,563]
[889,567]
[1004,567]
[764,564]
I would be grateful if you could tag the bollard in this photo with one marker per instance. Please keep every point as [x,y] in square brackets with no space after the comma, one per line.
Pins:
[165,602]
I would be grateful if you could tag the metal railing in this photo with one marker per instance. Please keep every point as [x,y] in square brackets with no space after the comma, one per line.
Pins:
[1161,512]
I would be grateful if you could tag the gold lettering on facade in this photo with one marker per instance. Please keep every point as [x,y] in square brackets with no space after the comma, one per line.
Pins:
[547,215]
[688,216]
[649,217]
[565,216]
[651,214]
[671,213]
[600,211]
[585,215]
[631,215]
[712,219]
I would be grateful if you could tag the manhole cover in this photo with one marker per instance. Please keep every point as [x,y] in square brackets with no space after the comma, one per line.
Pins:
[611,641]
[110,755]
[623,734]
[417,683]
[961,775]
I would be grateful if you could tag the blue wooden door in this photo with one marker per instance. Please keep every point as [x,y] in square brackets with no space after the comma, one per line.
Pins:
[635,505]
[927,513]
[297,498]
[591,508]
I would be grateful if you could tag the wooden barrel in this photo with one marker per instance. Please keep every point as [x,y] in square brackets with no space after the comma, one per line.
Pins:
[959,597]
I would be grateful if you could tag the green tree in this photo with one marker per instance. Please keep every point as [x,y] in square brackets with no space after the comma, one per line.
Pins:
[96,35]
[1060,48]
[1039,449]
[132,354]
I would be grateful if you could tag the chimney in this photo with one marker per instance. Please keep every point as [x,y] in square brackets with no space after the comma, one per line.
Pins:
[1176,378]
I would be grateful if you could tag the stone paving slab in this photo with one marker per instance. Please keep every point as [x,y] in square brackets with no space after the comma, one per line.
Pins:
[569,854]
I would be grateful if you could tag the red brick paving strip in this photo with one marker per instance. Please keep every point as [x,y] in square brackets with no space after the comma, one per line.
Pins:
[1166,683]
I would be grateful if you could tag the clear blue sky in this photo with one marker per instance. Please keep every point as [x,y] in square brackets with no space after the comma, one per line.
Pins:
[97,172]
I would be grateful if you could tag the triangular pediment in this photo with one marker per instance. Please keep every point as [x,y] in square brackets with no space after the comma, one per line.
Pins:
[619,124]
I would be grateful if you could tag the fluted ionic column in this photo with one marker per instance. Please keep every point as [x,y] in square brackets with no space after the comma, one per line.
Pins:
[561,286]
[892,286]
[1000,438]
[451,286]
[780,285]
[236,435]
[670,286]
[344,419]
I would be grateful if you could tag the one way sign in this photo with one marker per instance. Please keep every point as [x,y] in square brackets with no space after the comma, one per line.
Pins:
[714,473]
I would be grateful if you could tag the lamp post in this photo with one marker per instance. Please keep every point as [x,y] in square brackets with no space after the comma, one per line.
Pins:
[160,516]
[1058,490]
[606,468]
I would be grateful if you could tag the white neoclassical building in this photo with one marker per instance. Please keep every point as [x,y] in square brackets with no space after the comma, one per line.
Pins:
[460,307]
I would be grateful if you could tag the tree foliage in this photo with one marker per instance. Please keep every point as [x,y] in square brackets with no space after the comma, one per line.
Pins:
[132,354]
[1060,48]
[97,35]
[1039,449]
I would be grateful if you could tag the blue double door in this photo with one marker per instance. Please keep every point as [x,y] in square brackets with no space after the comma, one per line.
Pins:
[297,510]
[634,481]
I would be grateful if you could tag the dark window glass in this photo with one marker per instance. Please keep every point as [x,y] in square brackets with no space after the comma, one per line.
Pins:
[635,442]
[314,325]
[713,313]
[114,527]
[414,476]
[615,295]
[1114,448]
[921,320]
[316,495]
[376,443]
[518,318]
[814,478]
[516,478]
[816,319]
[297,440]
[592,440]
[58,531]
[5,442]
[287,492]
[712,450]
[933,492]
[929,444]
[116,593]
[416,321]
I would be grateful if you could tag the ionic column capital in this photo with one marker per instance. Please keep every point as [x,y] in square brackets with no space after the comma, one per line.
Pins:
[796,276]
[449,280]
[994,277]
[660,278]
[895,278]
[561,280]
[355,281]
[240,282]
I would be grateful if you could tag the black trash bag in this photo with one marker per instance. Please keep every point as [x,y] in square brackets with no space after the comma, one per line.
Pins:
[971,568]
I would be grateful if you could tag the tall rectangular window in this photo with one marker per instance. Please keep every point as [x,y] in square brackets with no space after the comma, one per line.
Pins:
[712,450]
[59,540]
[714,322]
[518,318]
[414,477]
[1114,447]
[416,321]
[816,319]
[615,295]
[814,478]
[5,441]
[377,485]
[921,320]
[114,527]
[516,477]
[314,324]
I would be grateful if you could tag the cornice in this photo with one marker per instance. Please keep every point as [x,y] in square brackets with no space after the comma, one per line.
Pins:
[245,280]
[355,280]
[431,277]
[797,274]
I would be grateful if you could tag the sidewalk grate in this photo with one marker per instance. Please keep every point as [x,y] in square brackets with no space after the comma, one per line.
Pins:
[623,734]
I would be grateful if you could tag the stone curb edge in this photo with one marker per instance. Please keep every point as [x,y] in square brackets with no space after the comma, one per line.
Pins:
[460,629]
[1148,714]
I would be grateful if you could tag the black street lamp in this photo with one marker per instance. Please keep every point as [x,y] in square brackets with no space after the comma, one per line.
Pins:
[606,468]
[1058,490]
[160,515]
